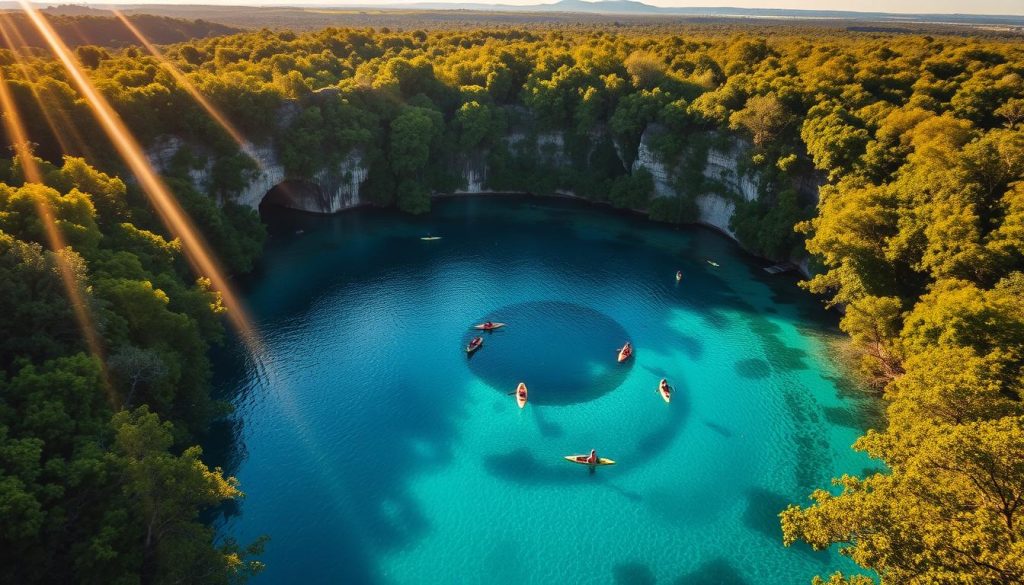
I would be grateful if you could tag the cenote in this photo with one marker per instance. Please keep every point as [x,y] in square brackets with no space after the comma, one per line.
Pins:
[372,450]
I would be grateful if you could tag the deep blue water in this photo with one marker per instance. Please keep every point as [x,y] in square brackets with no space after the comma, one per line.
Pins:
[372,450]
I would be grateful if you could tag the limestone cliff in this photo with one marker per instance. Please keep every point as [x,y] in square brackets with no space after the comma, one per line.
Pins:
[332,189]
[336,187]
[721,167]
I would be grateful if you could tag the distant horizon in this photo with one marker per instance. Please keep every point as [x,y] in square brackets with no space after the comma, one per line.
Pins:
[936,7]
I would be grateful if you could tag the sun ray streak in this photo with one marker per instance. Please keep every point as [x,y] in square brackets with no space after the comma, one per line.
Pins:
[160,196]
[16,131]
[185,83]
[12,38]
[267,373]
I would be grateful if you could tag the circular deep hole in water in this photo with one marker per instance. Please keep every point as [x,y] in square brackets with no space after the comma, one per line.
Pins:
[566,353]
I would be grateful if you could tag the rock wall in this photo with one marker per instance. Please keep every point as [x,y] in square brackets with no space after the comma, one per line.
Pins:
[721,166]
[337,188]
[332,189]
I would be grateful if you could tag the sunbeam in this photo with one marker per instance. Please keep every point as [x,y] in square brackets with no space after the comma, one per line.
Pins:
[178,222]
[167,207]
[16,131]
[58,128]
[185,83]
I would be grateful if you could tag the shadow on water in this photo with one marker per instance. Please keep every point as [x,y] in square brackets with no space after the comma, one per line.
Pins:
[522,466]
[714,572]
[547,428]
[843,417]
[753,369]
[762,516]
[690,346]
[633,574]
[654,443]
[658,372]
[721,430]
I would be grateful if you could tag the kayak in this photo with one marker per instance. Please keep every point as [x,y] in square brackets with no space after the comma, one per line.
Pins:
[679,276]
[484,327]
[625,353]
[665,390]
[474,345]
[521,394]
[430,238]
[582,460]
[715,264]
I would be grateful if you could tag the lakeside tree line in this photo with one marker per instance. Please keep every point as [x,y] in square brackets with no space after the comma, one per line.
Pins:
[917,140]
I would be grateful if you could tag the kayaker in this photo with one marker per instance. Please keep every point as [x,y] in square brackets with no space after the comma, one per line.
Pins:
[592,458]
[679,274]
[488,325]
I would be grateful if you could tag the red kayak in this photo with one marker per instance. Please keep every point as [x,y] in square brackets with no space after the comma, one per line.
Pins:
[625,352]
[474,345]
[488,326]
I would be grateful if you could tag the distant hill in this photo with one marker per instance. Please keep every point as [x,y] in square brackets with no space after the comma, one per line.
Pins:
[307,15]
[86,26]
[634,7]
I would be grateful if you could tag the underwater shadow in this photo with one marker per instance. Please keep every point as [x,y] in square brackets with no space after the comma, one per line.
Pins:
[714,572]
[547,428]
[652,444]
[633,574]
[522,467]
[762,516]
[753,369]
[721,430]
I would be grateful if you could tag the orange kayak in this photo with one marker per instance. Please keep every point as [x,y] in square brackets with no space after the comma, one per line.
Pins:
[665,390]
[521,395]
[625,352]
[491,327]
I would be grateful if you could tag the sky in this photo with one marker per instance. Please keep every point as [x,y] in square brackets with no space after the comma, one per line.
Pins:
[1014,7]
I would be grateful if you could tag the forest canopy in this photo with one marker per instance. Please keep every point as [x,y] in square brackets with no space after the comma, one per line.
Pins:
[896,161]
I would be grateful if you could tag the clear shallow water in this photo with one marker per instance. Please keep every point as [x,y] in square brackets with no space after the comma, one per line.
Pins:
[373,451]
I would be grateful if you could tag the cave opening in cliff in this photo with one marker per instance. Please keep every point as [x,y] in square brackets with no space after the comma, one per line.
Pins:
[292,194]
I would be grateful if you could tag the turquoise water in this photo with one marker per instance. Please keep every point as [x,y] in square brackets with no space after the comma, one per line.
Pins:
[372,450]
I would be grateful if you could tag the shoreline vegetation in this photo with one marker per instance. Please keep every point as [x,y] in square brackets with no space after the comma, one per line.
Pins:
[919,229]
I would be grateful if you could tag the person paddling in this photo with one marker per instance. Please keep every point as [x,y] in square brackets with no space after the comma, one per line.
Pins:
[592,458]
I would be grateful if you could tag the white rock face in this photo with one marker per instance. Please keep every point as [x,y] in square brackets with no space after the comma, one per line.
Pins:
[716,211]
[269,174]
[162,152]
[646,159]
[340,185]
[332,189]
[722,166]
[474,174]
